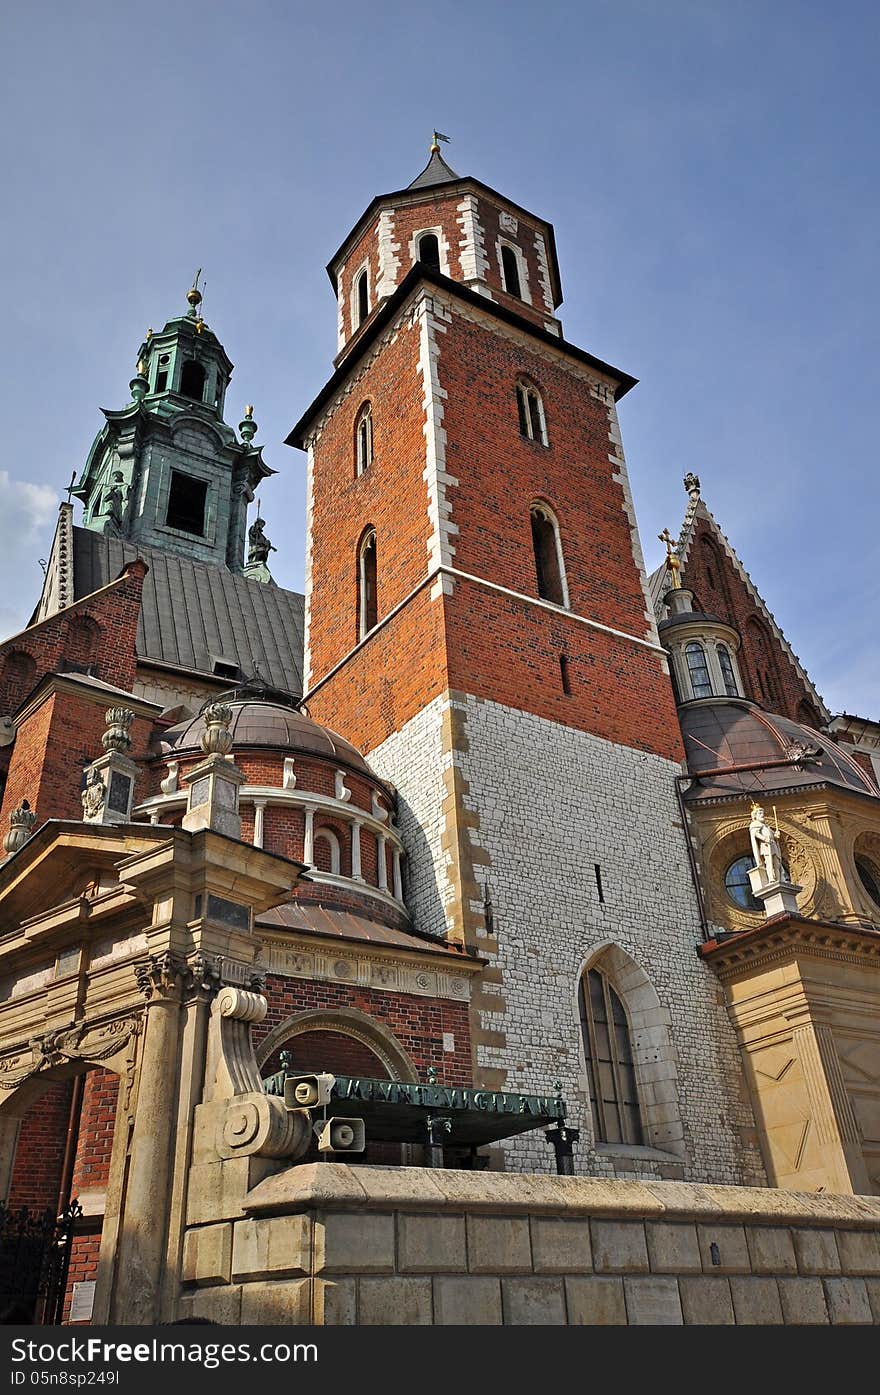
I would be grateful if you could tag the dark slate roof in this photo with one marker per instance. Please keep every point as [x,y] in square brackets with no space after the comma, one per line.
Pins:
[194,613]
[737,732]
[436,171]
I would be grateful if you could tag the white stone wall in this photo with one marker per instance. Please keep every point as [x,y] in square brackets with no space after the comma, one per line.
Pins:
[412,759]
[551,802]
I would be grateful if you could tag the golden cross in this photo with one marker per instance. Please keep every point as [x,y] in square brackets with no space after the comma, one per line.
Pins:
[673,561]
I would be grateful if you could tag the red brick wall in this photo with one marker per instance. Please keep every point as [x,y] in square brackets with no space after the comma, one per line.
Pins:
[769,678]
[101,629]
[39,1155]
[475,640]
[91,1168]
[417,1023]
[52,746]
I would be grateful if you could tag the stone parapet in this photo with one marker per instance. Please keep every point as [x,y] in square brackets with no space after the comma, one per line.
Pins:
[367,1245]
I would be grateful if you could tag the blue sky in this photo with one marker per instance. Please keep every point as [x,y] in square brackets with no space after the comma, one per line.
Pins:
[710,168]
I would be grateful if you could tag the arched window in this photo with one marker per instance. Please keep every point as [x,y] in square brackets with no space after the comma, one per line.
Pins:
[510,272]
[727,673]
[530,407]
[362,296]
[808,715]
[698,669]
[83,637]
[192,380]
[429,251]
[328,857]
[609,1057]
[368,612]
[363,439]
[738,886]
[19,671]
[549,565]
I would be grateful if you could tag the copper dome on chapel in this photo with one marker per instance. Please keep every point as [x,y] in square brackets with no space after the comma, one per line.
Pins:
[737,732]
[267,723]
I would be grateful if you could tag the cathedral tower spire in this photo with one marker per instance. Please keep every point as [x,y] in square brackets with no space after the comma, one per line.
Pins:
[167,471]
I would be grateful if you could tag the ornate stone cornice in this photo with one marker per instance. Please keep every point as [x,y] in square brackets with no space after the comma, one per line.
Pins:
[86,1041]
[779,940]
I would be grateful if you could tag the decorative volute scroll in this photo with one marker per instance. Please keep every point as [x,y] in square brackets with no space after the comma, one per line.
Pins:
[252,1121]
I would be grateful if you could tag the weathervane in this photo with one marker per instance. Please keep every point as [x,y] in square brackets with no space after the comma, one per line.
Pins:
[437,136]
[195,297]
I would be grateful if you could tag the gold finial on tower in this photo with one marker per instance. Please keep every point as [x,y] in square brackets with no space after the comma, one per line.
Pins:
[673,561]
[435,139]
[194,295]
[249,411]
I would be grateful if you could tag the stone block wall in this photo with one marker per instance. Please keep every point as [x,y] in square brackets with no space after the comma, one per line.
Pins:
[330,1244]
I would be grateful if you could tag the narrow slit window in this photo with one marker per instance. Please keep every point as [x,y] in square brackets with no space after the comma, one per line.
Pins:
[363,439]
[549,567]
[564,674]
[599,890]
[698,669]
[610,1066]
[510,272]
[362,297]
[429,251]
[368,607]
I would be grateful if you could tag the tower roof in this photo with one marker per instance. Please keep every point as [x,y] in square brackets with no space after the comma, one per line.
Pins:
[436,171]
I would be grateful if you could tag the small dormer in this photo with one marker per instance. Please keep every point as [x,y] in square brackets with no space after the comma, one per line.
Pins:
[450,226]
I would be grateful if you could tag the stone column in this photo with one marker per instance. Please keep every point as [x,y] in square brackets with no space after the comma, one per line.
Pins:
[309,841]
[259,810]
[381,860]
[356,873]
[142,1256]
[201,981]
[398,878]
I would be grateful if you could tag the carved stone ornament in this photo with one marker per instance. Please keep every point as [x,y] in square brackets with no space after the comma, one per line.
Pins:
[692,483]
[216,739]
[160,974]
[21,822]
[81,1041]
[116,737]
[94,795]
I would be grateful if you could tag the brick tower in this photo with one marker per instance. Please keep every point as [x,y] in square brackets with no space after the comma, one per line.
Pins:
[478,621]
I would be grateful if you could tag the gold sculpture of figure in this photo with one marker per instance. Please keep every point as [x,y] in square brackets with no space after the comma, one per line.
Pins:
[765,845]
[673,561]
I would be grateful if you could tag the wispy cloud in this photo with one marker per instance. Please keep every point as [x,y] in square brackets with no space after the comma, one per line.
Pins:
[24,505]
[26,514]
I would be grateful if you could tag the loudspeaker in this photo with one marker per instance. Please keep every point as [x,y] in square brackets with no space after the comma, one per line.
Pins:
[308,1091]
[341,1136]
